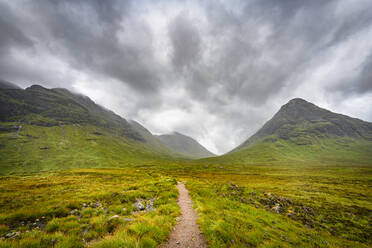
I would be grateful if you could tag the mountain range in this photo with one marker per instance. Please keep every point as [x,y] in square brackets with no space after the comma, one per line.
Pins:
[43,129]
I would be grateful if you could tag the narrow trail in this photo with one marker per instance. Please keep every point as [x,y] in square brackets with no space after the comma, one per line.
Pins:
[186,233]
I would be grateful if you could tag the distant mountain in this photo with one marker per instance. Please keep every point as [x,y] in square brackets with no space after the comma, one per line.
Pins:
[302,132]
[185,145]
[153,140]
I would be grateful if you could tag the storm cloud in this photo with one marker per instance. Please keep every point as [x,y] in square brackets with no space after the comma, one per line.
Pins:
[214,70]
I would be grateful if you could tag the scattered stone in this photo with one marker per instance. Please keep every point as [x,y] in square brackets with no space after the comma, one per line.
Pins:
[138,205]
[178,242]
[274,222]
[277,208]
[178,219]
[74,212]
[12,235]
[84,205]
[114,217]
[128,219]
[290,214]
[150,205]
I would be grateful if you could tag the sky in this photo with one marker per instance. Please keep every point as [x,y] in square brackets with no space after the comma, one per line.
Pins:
[214,70]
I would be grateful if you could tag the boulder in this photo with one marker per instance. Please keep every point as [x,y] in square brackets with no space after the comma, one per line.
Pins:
[138,205]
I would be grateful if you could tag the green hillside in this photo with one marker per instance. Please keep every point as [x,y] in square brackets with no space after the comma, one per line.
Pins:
[302,133]
[46,129]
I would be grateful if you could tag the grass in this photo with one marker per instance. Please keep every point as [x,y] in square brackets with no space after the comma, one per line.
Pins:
[275,193]
[36,148]
[299,151]
[82,208]
[319,207]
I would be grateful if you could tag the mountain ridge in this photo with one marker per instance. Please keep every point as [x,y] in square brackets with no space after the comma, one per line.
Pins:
[185,145]
[321,121]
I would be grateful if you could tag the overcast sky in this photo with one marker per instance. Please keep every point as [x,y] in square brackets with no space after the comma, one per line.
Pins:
[214,70]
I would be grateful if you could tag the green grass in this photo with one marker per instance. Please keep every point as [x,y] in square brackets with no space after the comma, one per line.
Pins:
[37,148]
[76,208]
[300,150]
[323,189]
[320,206]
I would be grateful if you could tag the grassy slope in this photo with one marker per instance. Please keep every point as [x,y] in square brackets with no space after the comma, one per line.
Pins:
[37,148]
[337,150]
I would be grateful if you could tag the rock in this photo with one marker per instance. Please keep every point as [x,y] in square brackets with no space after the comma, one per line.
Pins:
[150,205]
[128,219]
[84,205]
[74,211]
[290,214]
[177,242]
[277,208]
[114,217]
[12,235]
[138,205]
[178,219]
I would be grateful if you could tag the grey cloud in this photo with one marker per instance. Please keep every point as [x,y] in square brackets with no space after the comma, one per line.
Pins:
[360,84]
[11,34]
[236,60]
[86,34]
[185,40]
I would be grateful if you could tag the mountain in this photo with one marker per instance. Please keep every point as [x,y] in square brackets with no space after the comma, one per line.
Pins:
[7,85]
[301,121]
[153,140]
[43,129]
[302,132]
[185,145]
[52,107]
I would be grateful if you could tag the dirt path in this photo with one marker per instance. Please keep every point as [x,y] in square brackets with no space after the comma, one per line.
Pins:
[186,233]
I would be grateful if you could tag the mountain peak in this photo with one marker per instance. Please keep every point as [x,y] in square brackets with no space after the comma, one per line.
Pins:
[303,122]
[36,87]
[297,100]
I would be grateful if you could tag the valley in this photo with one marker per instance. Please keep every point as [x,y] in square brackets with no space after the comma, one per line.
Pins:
[74,174]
